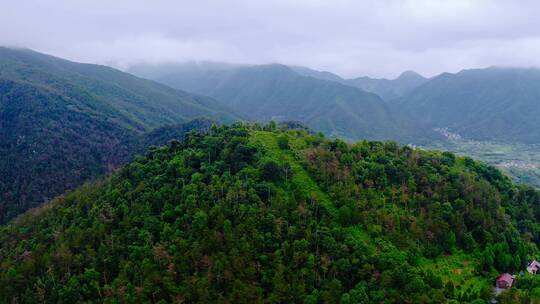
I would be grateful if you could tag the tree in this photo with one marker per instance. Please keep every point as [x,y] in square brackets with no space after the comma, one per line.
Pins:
[270,171]
[283,142]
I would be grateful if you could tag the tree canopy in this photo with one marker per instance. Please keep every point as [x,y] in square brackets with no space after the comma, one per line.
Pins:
[231,216]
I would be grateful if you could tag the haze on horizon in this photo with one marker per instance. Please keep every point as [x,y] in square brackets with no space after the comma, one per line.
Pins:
[350,38]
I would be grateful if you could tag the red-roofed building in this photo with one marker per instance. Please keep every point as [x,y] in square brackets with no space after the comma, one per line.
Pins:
[505,280]
[533,267]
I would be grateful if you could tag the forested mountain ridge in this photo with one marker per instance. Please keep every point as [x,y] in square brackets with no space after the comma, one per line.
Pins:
[246,214]
[390,89]
[499,104]
[46,148]
[123,98]
[63,123]
[277,92]
[387,89]
[484,104]
[323,75]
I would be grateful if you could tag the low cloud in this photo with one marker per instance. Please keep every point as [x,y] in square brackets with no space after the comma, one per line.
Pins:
[352,38]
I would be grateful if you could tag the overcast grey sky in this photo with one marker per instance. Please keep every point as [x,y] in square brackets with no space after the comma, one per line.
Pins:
[377,38]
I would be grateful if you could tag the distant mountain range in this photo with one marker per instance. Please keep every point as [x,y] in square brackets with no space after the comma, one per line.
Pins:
[500,104]
[279,92]
[387,89]
[63,123]
[390,89]
[486,104]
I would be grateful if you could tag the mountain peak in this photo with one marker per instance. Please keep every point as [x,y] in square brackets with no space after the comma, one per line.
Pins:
[410,74]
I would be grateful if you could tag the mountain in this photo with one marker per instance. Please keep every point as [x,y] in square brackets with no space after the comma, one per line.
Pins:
[485,104]
[256,215]
[63,123]
[125,99]
[323,75]
[389,89]
[163,135]
[277,92]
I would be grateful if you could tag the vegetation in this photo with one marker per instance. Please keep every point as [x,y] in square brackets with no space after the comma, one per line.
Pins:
[491,104]
[518,160]
[64,123]
[494,104]
[278,92]
[237,216]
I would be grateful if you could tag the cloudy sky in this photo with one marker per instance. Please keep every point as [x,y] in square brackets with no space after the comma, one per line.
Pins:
[378,38]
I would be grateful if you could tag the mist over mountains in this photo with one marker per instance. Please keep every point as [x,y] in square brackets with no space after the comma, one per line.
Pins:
[194,160]
[482,104]
[387,89]
[269,152]
[279,92]
[486,104]
[469,112]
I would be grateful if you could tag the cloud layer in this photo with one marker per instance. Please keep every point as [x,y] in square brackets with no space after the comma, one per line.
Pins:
[378,38]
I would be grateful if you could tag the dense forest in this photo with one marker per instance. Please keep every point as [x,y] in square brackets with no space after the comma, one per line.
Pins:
[261,214]
[63,123]
[46,149]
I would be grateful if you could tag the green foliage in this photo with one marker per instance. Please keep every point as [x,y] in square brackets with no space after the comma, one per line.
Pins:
[230,217]
[283,142]
[266,92]
[270,171]
[518,160]
[64,123]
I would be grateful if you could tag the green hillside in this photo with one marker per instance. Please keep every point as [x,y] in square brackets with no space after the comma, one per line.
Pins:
[501,104]
[257,215]
[120,97]
[277,92]
[63,123]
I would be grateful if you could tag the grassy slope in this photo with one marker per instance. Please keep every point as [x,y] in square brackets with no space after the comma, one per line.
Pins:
[300,177]
[457,268]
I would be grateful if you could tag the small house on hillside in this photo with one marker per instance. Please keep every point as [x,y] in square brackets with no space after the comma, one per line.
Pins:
[533,267]
[504,281]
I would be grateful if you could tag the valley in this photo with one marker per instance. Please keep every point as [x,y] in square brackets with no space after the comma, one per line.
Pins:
[521,161]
